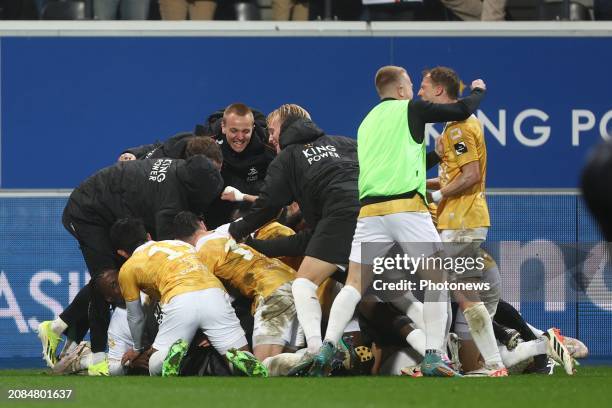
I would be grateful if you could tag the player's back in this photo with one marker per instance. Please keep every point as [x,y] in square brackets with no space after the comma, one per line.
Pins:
[168,268]
[241,266]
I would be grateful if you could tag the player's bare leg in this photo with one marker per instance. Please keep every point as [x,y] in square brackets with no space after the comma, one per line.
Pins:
[263,351]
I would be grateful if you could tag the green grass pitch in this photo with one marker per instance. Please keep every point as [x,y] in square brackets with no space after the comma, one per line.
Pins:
[591,387]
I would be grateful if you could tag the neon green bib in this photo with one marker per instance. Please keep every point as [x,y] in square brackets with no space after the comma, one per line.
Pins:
[390,161]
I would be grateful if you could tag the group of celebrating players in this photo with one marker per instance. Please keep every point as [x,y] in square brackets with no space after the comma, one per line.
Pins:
[228,250]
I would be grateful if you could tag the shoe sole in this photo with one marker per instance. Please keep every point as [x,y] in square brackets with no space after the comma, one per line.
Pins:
[46,344]
[64,366]
[170,367]
[513,341]
[301,370]
[252,366]
[440,371]
[560,353]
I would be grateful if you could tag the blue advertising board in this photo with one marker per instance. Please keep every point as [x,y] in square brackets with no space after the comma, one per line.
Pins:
[41,269]
[70,105]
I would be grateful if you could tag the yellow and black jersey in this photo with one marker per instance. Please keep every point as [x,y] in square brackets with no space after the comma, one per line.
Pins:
[275,230]
[463,143]
[163,270]
[252,273]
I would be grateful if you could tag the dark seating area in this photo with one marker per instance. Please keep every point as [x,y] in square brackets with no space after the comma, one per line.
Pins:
[345,10]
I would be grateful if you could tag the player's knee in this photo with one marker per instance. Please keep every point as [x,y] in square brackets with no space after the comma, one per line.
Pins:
[155,363]
[302,286]
[476,316]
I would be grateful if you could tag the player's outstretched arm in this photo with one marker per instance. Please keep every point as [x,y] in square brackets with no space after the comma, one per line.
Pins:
[462,109]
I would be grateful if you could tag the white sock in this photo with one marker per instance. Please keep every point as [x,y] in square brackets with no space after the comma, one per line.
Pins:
[341,313]
[308,311]
[435,316]
[280,364]
[536,331]
[416,339]
[481,329]
[523,351]
[58,326]
[449,319]
[115,368]
[411,307]
[98,357]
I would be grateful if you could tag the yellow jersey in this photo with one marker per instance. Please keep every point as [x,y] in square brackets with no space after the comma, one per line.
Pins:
[249,271]
[163,270]
[463,143]
[274,230]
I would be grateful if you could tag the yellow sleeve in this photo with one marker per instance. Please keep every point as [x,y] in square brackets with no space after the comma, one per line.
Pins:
[128,283]
[463,144]
[211,253]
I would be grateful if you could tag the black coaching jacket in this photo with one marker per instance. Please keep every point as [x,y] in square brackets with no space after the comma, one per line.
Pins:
[173,148]
[154,190]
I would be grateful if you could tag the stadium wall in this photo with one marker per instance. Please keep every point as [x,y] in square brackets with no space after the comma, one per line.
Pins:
[74,95]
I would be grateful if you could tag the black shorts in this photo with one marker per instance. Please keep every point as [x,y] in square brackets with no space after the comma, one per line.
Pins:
[332,237]
[94,242]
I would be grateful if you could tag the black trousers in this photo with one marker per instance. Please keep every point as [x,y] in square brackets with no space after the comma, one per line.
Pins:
[89,305]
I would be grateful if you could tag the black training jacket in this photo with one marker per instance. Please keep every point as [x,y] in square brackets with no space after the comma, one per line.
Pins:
[212,126]
[320,172]
[154,190]
[173,148]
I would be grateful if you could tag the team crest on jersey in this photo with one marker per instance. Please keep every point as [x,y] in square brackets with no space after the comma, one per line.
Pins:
[460,148]
[253,174]
[455,133]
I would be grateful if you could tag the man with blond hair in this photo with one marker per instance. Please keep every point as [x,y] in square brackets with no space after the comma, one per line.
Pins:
[392,163]
[276,118]
[320,173]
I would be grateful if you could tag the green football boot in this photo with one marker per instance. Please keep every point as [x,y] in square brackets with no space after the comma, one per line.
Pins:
[247,363]
[175,355]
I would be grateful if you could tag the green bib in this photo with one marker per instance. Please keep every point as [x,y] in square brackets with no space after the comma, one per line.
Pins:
[390,161]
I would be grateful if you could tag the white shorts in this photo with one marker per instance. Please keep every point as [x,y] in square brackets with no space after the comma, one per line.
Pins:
[119,335]
[414,228]
[207,309]
[276,320]
[464,243]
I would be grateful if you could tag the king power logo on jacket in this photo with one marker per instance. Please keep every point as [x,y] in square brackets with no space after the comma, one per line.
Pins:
[316,153]
[159,169]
